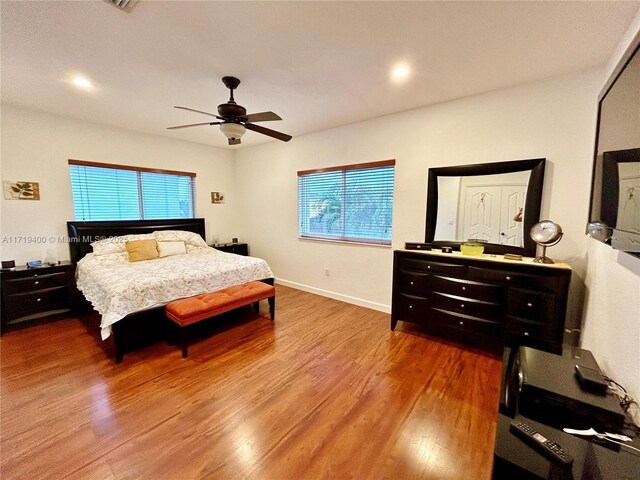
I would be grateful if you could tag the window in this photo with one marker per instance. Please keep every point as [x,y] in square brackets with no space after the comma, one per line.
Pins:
[352,203]
[118,192]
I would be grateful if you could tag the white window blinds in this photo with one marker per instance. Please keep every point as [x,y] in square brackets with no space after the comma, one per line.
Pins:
[118,192]
[352,203]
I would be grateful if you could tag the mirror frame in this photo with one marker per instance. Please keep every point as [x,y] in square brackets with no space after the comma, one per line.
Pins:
[531,205]
[604,184]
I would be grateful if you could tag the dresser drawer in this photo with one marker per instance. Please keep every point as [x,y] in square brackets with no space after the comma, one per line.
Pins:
[469,306]
[34,282]
[412,308]
[465,322]
[24,304]
[432,267]
[530,328]
[531,304]
[468,288]
[413,282]
[506,277]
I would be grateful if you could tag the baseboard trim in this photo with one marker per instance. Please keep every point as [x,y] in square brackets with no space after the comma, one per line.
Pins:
[336,296]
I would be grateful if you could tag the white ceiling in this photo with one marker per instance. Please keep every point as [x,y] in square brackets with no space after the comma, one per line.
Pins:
[317,64]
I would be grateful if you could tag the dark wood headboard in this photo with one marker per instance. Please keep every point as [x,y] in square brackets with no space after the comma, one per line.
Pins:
[82,234]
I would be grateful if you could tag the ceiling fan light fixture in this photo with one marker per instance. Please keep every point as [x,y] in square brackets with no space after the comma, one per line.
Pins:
[232,130]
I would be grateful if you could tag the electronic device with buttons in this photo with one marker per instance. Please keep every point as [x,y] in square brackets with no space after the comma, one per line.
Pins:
[547,390]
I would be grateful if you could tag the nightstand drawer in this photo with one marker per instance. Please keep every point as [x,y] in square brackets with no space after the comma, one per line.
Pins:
[237,248]
[24,304]
[34,282]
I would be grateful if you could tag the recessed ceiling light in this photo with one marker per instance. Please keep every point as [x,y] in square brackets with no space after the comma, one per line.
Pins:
[400,71]
[82,82]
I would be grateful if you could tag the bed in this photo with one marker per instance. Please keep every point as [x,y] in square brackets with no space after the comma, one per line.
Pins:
[130,296]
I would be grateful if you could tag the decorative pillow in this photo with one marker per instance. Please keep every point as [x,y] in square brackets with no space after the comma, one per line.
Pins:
[190,238]
[142,250]
[171,248]
[117,244]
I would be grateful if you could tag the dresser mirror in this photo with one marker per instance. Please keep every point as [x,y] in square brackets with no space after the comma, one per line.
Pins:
[615,189]
[495,203]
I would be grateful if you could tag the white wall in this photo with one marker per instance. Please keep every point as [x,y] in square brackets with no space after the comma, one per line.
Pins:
[36,147]
[554,119]
[612,304]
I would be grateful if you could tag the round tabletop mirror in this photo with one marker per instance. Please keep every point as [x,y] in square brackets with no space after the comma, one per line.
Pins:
[546,234]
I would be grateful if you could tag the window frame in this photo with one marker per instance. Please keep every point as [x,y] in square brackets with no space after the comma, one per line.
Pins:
[138,170]
[344,169]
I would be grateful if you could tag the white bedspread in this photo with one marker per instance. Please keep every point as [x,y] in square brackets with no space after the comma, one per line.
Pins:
[116,287]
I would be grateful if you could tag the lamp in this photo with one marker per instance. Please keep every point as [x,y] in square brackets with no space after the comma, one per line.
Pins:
[232,130]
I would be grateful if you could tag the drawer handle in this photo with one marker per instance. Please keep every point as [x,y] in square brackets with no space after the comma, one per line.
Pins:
[529,305]
[38,300]
[526,334]
[462,305]
[507,278]
[461,323]
[428,267]
[36,282]
[464,288]
[410,283]
[410,306]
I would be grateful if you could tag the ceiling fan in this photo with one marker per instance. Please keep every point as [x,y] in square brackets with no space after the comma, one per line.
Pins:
[234,119]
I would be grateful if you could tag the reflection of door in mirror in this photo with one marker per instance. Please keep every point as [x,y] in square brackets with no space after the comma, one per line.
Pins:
[488,213]
[629,197]
[482,207]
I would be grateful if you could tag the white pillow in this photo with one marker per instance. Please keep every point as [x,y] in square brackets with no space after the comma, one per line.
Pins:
[171,248]
[117,244]
[190,238]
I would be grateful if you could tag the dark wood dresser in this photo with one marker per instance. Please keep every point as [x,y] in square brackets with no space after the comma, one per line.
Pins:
[34,294]
[237,248]
[484,300]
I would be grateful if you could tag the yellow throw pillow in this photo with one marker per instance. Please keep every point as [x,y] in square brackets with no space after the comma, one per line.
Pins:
[142,250]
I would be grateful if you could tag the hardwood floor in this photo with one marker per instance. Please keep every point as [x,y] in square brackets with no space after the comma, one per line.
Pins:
[325,391]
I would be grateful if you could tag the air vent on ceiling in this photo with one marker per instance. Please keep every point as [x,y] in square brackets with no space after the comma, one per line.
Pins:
[124,5]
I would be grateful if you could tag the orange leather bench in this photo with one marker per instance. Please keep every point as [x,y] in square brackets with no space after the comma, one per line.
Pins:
[187,311]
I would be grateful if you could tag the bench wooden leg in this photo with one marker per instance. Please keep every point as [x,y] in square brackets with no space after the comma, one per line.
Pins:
[183,341]
[256,307]
[272,307]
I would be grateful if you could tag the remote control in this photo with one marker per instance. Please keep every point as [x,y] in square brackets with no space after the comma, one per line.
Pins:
[550,449]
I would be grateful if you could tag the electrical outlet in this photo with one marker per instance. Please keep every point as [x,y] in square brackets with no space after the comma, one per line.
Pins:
[326,271]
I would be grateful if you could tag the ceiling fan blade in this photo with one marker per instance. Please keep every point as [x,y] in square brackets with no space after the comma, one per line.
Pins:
[234,141]
[267,131]
[193,125]
[261,117]
[198,111]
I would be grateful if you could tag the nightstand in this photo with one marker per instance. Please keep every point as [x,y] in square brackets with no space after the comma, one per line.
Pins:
[33,294]
[237,248]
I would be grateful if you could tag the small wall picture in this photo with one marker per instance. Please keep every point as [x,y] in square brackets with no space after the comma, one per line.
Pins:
[217,197]
[21,190]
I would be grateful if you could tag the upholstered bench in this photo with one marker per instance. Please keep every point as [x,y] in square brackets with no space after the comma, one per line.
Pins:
[187,311]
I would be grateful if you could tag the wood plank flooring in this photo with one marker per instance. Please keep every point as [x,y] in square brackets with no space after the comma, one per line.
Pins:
[326,391]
